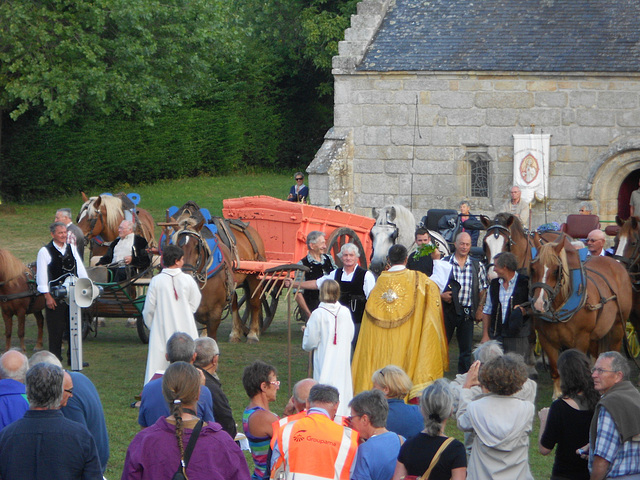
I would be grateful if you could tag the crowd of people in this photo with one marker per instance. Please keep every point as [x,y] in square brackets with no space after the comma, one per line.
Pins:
[377,405]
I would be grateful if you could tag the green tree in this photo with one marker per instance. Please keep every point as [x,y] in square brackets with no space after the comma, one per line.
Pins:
[131,57]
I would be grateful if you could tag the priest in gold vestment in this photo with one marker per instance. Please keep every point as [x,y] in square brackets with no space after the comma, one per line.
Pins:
[402,325]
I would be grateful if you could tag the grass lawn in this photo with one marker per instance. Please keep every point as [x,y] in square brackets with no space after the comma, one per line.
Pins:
[117,357]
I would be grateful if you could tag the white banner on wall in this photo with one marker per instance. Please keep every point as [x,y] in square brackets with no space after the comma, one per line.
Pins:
[531,165]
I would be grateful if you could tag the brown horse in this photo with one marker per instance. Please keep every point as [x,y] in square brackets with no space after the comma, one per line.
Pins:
[627,252]
[18,296]
[578,305]
[218,288]
[505,234]
[100,217]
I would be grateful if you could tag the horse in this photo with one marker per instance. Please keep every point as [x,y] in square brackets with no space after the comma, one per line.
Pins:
[577,305]
[100,217]
[506,234]
[217,279]
[396,224]
[19,297]
[627,252]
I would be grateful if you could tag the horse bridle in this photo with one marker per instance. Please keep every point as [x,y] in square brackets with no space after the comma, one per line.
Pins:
[497,230]
[196,271]
[552,292]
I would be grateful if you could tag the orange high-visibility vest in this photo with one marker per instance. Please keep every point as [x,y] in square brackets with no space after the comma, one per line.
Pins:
[316,448]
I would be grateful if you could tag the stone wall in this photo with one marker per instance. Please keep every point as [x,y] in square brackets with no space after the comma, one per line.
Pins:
[404,135]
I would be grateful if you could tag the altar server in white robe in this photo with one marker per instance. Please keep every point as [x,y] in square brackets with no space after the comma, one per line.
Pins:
[172,299]
[328,334]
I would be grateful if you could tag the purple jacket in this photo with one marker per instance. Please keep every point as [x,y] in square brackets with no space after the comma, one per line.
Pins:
[154,454]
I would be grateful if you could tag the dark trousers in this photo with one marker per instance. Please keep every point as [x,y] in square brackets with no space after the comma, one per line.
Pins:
[463,326]
[57,325]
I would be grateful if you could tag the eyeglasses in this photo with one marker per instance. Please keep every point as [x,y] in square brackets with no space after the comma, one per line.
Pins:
[69,391]
[276,383]
[351,417]
[299,178]
[592,240]
[600,371]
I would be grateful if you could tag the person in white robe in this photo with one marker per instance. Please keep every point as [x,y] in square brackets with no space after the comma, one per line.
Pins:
[328,334]
[172,299]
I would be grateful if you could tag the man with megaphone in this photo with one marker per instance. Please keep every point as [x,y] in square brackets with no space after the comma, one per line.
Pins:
[56,260]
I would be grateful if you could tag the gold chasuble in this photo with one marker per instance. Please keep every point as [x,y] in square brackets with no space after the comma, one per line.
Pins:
[402,325]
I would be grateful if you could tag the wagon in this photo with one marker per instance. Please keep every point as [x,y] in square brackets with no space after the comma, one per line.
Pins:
[117,300]
[283,227]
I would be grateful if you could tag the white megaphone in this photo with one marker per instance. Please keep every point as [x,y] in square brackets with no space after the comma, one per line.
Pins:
[85,292]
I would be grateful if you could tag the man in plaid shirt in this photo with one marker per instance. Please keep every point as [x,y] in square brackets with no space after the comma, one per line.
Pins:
[614,438]
[464,298]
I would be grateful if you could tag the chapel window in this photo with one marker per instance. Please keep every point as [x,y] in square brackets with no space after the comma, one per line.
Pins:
[478,161]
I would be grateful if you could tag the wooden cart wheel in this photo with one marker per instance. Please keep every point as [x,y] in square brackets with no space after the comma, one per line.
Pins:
[338,238]
[143,331]
[88,324]
[269,307]
[632,337]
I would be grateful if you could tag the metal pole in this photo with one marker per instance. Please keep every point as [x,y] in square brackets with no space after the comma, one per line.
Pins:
[289,341]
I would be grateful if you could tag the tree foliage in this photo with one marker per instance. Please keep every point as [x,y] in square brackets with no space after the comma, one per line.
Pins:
[132,57]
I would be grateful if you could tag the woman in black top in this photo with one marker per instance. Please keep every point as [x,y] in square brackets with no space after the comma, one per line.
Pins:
[436,405]
[567,422]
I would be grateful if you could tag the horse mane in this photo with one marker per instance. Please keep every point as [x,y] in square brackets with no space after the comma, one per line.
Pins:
[113,209]
[405,221]
[10,267]
[548,257]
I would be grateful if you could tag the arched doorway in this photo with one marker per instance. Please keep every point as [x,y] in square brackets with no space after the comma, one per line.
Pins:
[629,184]
[611,185]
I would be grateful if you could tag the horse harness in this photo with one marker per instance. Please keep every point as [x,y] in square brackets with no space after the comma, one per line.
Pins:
[578,298]
[32,291]
[632,264]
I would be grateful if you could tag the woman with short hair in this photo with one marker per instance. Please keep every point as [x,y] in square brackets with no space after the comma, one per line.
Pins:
[431,450]
[502,423]
[403,419]
[328,335]
[567,422]
[260,381]
[156,452]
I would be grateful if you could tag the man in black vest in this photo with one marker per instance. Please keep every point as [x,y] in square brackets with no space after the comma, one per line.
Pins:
[464,298]
[319,264]
[55,260]
[503,318]
[355,283]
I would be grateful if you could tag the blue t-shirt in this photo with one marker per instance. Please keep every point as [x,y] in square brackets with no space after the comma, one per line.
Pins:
[376,458]
[153,405]
[403,419]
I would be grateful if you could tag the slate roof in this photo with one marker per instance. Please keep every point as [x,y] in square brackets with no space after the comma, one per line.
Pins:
[511,35]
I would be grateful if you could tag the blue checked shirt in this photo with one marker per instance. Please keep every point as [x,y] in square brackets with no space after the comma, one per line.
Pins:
[623,457]
[464,276]
[504,295]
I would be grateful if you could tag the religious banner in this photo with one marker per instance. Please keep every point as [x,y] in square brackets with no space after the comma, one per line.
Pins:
[531,166]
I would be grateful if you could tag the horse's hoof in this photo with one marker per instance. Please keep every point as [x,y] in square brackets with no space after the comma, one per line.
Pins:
[252,338]
[234,339]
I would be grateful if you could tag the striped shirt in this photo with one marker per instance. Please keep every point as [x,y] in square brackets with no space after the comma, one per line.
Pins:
[623,457]
[464,276]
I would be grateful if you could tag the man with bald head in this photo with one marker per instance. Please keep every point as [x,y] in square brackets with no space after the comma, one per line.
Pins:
[128,251]
[13,397]
[516,207]
[464,298]
[595,243]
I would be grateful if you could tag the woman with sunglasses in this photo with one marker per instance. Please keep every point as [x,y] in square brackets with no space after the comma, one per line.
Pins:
[299,192]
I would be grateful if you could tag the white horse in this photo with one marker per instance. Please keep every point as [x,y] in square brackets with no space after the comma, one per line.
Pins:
[396,224]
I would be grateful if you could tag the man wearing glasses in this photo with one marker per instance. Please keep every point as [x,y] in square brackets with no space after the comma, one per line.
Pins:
[299,192]
[614,437]
[595,243]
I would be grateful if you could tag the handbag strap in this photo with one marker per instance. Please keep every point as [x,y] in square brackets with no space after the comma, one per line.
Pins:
[195,433]
[436,457]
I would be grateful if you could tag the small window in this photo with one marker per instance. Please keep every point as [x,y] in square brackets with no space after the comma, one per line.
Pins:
[479,171]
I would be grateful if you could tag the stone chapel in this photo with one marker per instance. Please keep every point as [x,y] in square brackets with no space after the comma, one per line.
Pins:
[429,93]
